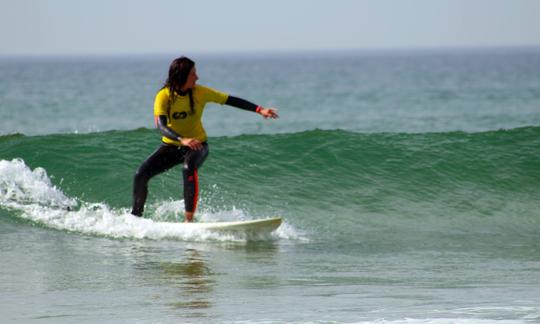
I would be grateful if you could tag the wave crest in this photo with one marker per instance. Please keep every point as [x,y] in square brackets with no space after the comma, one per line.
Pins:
[32,196]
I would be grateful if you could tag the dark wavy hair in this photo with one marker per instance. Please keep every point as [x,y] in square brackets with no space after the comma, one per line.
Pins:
[178,74]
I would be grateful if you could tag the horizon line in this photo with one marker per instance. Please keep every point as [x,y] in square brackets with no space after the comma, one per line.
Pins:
[271,52]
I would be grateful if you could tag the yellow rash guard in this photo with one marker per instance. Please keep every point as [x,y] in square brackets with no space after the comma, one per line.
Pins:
[180,118]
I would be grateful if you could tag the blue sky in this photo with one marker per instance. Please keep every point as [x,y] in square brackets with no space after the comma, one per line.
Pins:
[176,26]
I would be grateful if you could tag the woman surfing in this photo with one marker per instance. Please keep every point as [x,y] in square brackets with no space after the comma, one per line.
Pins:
[178,109]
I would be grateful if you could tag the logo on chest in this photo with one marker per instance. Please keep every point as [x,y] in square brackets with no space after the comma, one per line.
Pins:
[179,115]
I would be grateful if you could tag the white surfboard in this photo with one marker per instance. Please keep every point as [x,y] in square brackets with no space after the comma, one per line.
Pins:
[257,226]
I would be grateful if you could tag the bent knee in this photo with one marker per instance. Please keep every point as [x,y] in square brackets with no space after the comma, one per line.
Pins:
[195,161]
[141,176]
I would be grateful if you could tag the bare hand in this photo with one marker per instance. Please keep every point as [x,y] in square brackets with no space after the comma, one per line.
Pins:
[269,113]
[192,143]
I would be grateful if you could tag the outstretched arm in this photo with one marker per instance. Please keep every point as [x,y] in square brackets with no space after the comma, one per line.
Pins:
[249,106]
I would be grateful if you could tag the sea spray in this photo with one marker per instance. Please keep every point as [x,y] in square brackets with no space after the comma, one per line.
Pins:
[31,195]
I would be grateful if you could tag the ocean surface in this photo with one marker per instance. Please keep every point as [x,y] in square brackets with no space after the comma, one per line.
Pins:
[409,184]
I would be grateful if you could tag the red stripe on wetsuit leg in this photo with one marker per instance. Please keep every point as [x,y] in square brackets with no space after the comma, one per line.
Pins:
[196,195]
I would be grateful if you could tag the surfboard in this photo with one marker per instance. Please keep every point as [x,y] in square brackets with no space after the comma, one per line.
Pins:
[257,226]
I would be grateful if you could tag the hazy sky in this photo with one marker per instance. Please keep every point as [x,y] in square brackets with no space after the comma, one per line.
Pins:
[176,26]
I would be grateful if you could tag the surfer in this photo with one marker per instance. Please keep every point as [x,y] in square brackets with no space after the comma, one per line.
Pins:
[178,109]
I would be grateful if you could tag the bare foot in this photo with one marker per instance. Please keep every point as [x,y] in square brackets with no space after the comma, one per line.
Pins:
[188,217]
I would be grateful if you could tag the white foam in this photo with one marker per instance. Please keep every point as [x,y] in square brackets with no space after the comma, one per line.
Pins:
[34,197]
[20,185]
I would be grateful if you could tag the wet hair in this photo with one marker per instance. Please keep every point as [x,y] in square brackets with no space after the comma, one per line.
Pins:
[178,74]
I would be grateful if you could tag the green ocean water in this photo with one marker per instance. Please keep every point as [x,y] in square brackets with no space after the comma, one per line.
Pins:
[409,191]
[316,174]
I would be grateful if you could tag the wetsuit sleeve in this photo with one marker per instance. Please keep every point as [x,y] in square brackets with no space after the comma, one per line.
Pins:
[161,124]
[241,103]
